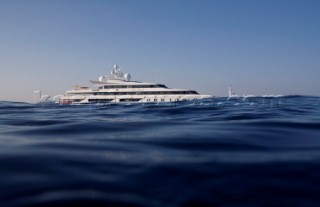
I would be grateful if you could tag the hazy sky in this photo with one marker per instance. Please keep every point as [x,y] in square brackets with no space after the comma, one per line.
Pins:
[257,46]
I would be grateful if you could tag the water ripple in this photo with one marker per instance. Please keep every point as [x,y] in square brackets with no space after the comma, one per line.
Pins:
[261,152]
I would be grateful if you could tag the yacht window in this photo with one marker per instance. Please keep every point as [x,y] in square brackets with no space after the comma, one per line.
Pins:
[161,86]
[141,93]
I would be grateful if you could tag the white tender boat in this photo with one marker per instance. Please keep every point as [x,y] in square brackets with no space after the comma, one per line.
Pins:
[118,88]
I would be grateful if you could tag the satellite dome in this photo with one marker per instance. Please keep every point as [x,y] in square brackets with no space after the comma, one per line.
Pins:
[102,79]
[127,77]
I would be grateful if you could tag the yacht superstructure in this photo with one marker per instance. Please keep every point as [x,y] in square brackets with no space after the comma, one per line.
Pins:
[118,88]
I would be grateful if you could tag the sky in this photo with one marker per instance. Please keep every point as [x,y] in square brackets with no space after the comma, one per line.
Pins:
[257,46]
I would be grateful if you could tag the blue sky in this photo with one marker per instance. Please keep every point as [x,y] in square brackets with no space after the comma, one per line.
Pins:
[259,47]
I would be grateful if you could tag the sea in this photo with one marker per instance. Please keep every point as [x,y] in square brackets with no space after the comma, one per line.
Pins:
[221,152]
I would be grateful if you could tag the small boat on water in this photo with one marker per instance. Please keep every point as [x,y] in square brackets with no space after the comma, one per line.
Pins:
[118,88]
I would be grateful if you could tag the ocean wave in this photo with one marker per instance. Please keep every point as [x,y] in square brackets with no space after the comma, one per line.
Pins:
[214,153]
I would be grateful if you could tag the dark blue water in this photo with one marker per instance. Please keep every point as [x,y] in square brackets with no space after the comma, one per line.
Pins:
[258,152]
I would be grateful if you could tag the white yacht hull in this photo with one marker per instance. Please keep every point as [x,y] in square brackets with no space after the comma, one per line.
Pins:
[131,99]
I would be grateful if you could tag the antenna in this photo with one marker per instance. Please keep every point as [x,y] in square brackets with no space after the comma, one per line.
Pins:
[230,91]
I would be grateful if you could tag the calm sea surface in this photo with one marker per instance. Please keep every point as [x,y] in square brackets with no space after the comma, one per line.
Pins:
[257,152]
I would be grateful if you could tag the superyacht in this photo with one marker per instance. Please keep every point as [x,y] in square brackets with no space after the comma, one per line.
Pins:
[118,88]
